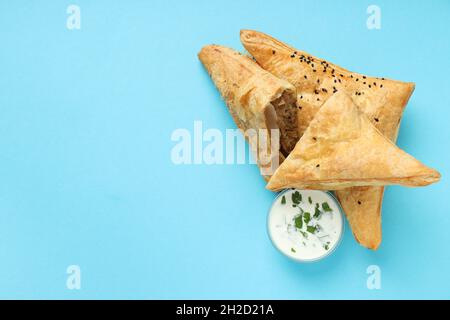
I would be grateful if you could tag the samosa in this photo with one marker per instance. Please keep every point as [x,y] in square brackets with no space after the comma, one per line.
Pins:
[257,100]
[342,149]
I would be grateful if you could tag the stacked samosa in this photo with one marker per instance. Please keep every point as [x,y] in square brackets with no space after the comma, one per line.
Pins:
[339,148]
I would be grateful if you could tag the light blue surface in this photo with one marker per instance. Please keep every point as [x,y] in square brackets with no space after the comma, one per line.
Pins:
[87,179]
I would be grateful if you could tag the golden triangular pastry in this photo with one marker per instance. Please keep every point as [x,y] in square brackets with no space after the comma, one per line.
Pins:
[342,149]
[382,100]
[256,100]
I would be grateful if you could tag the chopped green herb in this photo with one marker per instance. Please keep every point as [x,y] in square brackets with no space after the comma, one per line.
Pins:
[311,229]
[298,222]
[326,247]
[307,217]
[309,200]
[296,197]
[304,234]
[317,205]
[293,250]
[326,207]
[317,213]
[283,200]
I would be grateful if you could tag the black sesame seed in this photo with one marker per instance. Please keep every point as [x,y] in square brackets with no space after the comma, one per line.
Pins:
[292,55]
[364,77]
[357,79]
[314,70]
[381,86]
[305,77]
[376,119]
[324,90]
[314,138]
[359,202]
[273,51]
[301,97]
[364,82]
[317,165]
[316,91]
[370,86]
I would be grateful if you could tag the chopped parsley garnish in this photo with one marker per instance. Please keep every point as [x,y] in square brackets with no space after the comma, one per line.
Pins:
[298,222]
[304,234]
[317,213]
[293,250]
[283,200]
[326,247]
[309,200]
[296,197]
[311,229]
[326,207]
[307,217]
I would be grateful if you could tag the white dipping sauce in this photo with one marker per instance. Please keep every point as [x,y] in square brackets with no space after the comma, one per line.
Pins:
[305,225]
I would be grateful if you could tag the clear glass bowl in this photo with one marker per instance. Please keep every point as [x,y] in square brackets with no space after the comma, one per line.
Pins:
[329,252]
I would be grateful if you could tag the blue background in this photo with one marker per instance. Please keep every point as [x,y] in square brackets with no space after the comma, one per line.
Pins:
[86,176]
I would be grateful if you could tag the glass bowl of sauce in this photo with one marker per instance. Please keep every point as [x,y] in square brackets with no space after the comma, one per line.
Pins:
[305,225]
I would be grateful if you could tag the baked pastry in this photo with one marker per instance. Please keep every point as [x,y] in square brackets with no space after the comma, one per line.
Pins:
[315,79]
[257,100]
[342,149]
